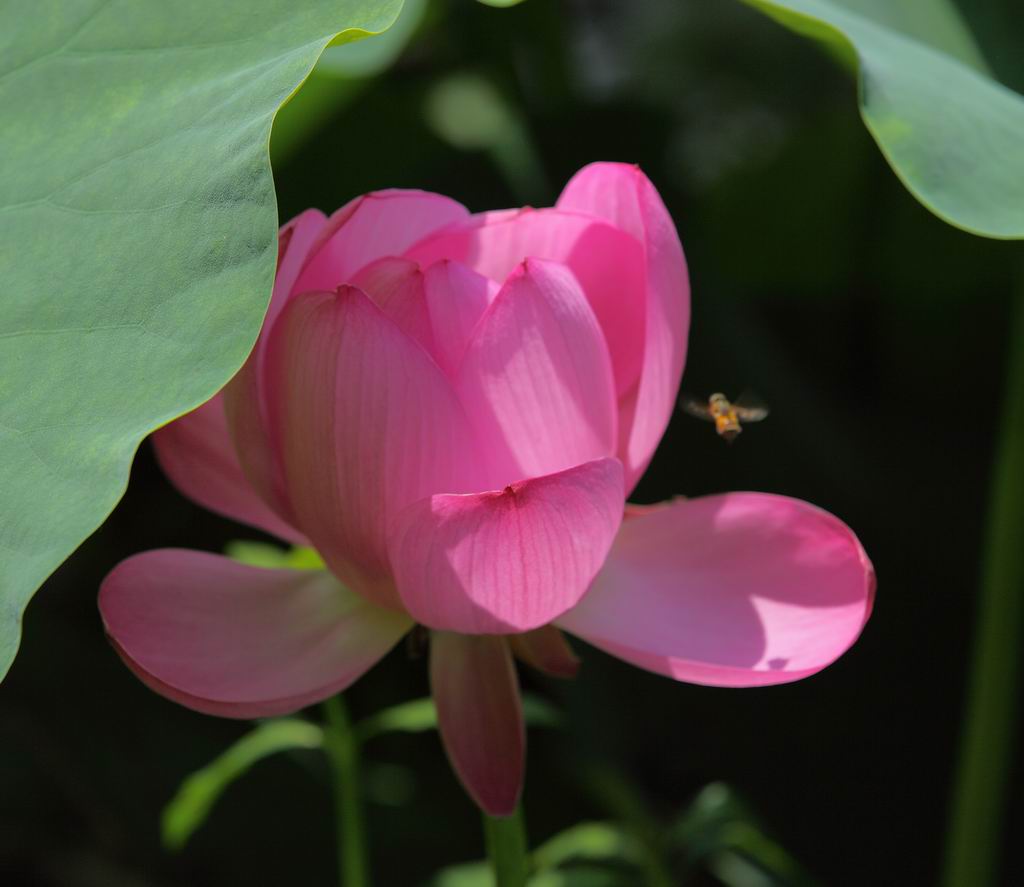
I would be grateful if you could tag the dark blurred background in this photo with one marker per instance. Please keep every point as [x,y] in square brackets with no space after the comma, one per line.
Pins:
[874,331]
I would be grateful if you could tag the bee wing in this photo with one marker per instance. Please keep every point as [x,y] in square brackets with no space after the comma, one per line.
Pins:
[751,414]
[696,407]
[750,408]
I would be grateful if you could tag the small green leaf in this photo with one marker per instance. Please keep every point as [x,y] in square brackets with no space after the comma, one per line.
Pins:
[586,876]
[953,134]
[420,715]
[469,874]
[415,716]
[588,841]
[190,807]
[501,4]
[478,874]
[138,222]
[720,831]
[538,712]
[266,554]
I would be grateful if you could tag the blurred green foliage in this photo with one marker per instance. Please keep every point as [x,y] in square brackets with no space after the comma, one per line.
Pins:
[195,798]
[717,834]
[720,830]
[468,112]
[420,715]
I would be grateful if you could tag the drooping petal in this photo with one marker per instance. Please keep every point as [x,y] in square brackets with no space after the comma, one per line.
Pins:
[383,223]
[536,380]
[397,288]
[624,196]
[366,423]
[547,650]
[239,641]
[608,263]
[509,561]
[457,297]
[479,713]
[197,454]
[737,590]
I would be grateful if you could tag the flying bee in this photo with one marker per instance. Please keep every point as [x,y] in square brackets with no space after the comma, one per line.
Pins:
[726,415]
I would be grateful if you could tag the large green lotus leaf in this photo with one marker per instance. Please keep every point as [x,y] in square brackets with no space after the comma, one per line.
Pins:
[137,236]
[952,133]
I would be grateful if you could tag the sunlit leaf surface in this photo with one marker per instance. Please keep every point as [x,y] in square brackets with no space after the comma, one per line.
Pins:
[953,134]
[138,219]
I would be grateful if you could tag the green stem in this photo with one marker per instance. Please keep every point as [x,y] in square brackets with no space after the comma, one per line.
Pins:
[506,848]
[987,744]
[342,749]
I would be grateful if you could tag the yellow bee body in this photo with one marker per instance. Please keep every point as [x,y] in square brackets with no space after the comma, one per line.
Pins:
[727,416]
[727,423]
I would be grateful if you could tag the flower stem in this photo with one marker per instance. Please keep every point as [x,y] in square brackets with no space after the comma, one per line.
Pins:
[506,848]
[987,743]
[342,748]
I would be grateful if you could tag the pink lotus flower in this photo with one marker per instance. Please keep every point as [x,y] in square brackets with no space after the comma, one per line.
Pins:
[452,409]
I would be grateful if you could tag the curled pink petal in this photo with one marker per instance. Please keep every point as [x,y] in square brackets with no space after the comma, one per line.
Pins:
[366,423]
[197,454]
[508,561]
[457,297]
[624,196]
[737,590]
[536,380]
[239,641]
[479,713]
[607,263]
[383,223]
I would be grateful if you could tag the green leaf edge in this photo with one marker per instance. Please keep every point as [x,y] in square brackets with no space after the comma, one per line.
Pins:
[17,611]
[834,38]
